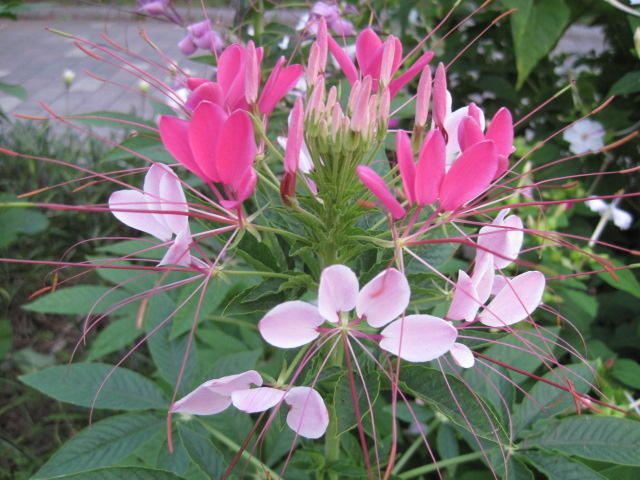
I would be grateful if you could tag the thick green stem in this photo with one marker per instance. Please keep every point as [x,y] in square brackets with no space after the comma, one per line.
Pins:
[416,472]
[332,442]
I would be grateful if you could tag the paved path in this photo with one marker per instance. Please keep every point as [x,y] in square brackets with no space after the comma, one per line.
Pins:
[35,58]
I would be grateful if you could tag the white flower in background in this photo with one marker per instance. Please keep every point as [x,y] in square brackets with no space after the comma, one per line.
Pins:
[621,218]
[67,77]
[585,136]
[284,43]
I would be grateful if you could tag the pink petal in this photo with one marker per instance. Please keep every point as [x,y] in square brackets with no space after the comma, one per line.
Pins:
[483,276]
[373,182]
[503,238]
[418,338]
[173,199]
[466,302]
[255,400]
[423,97]
[406,165]
[278,84]
[412,71]
[462,355]
[499,283]
[384,298]
[469,133]
[430,169]
[204,136]
[209,91]
[347,66]
[308,416]
[140,220]
[153,197]
[501,132]
[214,396]
[229,65]
[516,301]
[245,187]
[440,95]
[236,149]
[369,52]
[290,324]
[178,252]
[174,133]
[469,176]
[295,138]
[338,291]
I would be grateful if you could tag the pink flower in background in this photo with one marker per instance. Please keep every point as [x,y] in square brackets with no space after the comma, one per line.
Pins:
[159,9]
[200,36]
[331,14]
[415,338]
[143,210]
[308,415]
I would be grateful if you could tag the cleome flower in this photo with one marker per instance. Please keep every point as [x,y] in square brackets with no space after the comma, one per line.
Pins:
[415,338]
[308,415]
[145,211]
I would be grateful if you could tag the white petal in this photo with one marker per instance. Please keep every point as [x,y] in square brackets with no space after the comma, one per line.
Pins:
[462,355]
[290,324]
[308,416]
[384,298]
[254,400]
[338,291]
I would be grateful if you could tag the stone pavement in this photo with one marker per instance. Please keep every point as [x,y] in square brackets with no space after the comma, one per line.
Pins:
[35,58]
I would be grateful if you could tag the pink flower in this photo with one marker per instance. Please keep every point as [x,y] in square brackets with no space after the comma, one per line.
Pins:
[373,62]
[415,338]
[143,211]
[200,35]
[217,147]
[308,415]
[331,14]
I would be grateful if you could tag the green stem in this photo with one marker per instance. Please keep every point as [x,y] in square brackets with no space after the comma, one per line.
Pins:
[332,442]
[234,447]
[17,204]
[416,472]
[257,273]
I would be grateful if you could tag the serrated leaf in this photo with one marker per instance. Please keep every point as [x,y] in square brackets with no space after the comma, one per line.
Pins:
[234,363]
[366,394]
[545,400]
[452,398]
[101,444]
[535,28]
[78,384]
[607,439]
[123,473]
[168,356]
[77,300]
[559,467]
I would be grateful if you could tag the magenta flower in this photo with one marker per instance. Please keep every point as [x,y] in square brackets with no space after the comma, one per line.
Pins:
[377,59]
[238,80]
[217,147]
[144,211]
[308,415]
[200,35]
[415,338]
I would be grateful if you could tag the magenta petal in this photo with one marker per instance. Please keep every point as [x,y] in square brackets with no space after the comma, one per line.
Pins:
[469,133]
[406,165]
[308,416]
[519,297]
[243,188]
[284,81]
[236,149]
[384,298]
[213,396]
[430,169]
[369,52]
[347,66]
[374,182]
[466,302]
[209,91]
[440,95]
[254,400]
[290,324]
[501,132]
[230,65]
[140,220]
[174,133]
[205,133]
[462,355]
[338,291]
[503,238]
[418,338]
[469,176]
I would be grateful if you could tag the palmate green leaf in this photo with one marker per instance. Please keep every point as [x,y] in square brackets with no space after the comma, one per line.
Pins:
[343,399]
[101,444]
[79,382]
[535,28]
[77,300]
[559,467]
[545,400]
[123,473]
[607,439]
[452,398]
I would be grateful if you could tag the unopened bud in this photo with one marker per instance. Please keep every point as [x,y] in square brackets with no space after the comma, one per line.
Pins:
[252,74]
[423,97]
[440,95]
[67,77]
[386,66]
